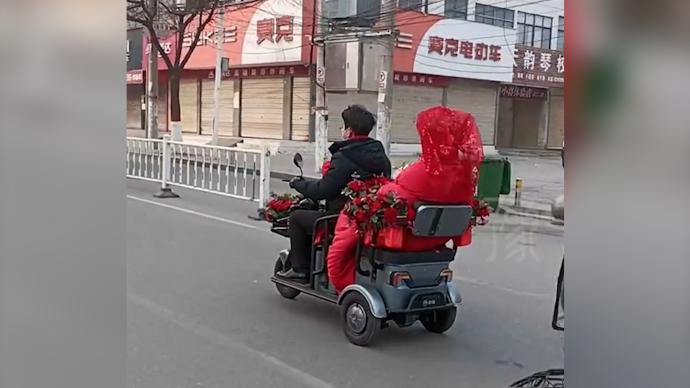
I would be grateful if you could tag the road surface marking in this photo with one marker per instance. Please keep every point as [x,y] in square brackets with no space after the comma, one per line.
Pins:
[253,227]
[196,213]
[482,283]
[303,378]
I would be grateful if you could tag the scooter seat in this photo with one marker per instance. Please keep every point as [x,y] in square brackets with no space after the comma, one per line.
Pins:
[444,254]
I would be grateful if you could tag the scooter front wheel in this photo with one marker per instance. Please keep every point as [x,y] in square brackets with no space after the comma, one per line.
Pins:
[359,324]
[284,291]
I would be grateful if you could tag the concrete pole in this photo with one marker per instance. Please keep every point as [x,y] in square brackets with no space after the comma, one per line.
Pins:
[385,97]
[320,108]
[220,17]
[152,92]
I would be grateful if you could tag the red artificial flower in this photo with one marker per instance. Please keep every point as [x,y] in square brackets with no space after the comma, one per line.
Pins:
[375,206]
[359,201]
[325,167]
[357,185]
[390,215]
[361,216]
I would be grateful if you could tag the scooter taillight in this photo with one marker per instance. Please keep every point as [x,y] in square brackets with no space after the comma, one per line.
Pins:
[397,278]
[446,274]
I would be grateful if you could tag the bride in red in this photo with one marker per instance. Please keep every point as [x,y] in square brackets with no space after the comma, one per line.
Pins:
[446,172]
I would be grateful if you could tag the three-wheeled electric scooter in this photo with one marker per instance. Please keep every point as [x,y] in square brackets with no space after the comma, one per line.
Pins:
[398,286]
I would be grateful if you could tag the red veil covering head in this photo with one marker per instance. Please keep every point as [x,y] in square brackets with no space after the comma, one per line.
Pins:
[448,136]
[451,154]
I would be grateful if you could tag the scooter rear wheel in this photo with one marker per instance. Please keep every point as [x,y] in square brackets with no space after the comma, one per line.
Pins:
[359,324]
[439,321]
[284,291]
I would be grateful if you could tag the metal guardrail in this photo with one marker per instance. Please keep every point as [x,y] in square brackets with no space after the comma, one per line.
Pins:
[229,171]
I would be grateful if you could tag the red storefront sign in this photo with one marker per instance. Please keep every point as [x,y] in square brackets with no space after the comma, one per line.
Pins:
[525,92]
[263,71]
[135,77]
[274,29]
[208,36]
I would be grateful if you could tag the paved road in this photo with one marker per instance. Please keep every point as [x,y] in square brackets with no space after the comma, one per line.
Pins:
[203,313]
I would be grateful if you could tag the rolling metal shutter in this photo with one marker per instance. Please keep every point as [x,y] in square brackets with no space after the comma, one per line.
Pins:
[408,102]
[262,108]
[134,93]
[527,121]
[225,123]
[189,105]
[477,98]
[556,128]
[301,108]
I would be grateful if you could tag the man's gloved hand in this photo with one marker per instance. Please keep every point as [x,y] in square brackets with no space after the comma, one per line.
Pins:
[293,180]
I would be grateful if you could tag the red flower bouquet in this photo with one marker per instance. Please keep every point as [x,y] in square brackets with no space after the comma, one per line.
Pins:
[380,218]
[278,206]
[481,211]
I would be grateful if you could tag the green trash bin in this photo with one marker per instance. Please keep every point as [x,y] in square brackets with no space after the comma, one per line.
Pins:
[494,179]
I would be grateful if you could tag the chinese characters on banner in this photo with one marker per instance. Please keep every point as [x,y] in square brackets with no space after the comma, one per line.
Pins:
[274,29]
[135,77]
[469,50]
[526,92]
[537,66]
[207,37]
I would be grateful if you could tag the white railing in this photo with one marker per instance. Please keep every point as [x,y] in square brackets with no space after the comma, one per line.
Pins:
[229,171]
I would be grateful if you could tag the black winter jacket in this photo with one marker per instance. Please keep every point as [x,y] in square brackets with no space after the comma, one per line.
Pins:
[361,157]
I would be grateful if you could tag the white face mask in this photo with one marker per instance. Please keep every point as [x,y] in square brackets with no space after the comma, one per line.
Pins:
[345,133]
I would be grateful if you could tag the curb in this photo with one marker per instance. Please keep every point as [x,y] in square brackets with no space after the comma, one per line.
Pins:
[536,214]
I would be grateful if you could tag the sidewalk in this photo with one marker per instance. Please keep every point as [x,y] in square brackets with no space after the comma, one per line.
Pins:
[543,181]
[542,175]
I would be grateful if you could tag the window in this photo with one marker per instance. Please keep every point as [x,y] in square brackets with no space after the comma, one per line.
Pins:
[456,9]
[561,33]
[534,30]
[413,5]
[494,15]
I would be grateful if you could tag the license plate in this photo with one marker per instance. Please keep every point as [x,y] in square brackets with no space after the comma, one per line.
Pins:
[431,301]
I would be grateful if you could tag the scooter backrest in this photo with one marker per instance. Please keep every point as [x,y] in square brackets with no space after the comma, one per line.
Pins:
[434,220]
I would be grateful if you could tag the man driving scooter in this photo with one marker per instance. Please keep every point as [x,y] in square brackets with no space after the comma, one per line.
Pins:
[356,155]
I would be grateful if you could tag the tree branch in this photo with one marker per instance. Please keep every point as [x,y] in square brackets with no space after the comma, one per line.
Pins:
[154,41]
[199,30]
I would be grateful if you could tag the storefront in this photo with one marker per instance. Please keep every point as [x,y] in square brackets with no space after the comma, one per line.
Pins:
[135,81]
[413,93]
[478,98]
[267,91]
[136,102]
[226,122]
[531,108]
[437,64]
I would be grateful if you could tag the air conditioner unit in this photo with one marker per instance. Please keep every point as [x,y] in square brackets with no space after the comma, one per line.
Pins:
[355,13]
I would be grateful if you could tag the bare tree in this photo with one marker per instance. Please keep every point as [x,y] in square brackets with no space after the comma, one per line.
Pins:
[186,20]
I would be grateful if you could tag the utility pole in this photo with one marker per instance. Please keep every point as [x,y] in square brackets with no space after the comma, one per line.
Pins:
[320,108]
[152,86]
[385,97]
[220,20]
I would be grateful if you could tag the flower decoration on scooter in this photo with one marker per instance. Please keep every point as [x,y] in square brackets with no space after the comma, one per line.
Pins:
[380,217]
[480,212]
[278,206]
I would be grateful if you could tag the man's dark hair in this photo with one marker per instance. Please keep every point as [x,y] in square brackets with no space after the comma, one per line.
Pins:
[358,119]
